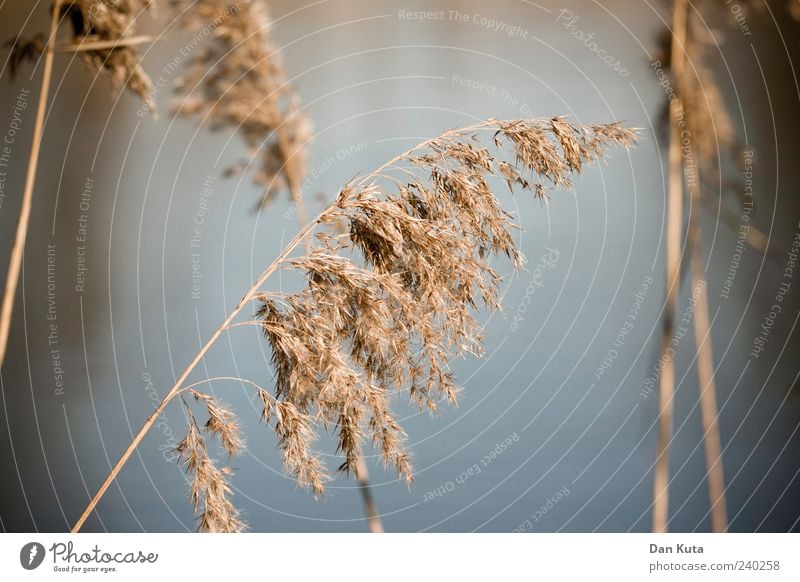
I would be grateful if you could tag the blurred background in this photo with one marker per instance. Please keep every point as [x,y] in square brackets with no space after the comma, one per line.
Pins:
[92,349]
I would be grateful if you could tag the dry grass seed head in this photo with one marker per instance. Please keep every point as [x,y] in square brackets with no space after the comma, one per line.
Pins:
[222,423]
[111,20]
[210,491]
[97,21]
[390,302]
[239,83]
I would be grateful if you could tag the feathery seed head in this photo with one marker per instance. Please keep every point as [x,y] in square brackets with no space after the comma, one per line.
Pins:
[239,83]
[110,20]
[390,302]
[97,21]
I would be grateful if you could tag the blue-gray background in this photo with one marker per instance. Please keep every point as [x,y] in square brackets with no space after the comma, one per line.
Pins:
[374,83]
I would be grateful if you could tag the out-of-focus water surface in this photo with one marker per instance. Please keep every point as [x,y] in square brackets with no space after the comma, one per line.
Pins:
[578,443]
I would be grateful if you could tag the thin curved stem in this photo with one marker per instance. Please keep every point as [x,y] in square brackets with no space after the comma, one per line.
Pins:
[18,250]
[179,383]
[370,509]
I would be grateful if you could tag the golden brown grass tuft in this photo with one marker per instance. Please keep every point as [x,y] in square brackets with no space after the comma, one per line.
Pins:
[23,49]
[387,303]
[210,491]
[390,302]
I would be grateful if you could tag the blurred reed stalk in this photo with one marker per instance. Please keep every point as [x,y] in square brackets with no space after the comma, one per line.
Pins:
[666,393]
[99,35]
[710,129]
[705,372]
[695,154]
[388,302]
[18,250]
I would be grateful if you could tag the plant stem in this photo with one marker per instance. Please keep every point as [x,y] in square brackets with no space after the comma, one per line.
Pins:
[705,369]
[251,294]
[708,398]
[370,509]
[78,47]
[18,250]
[673,267]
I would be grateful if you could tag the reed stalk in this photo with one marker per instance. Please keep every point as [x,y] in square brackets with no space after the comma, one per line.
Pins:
[18,250]
[370,508]
[102,45]
[712,441]
[701,121]
[673,268]
[707,129]
[99,36]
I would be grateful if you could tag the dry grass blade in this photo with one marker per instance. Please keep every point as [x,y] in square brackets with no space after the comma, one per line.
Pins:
[238,83]
[73,47]
[21,235]
[390,302]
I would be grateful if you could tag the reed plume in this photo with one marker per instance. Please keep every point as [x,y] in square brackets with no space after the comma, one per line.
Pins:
[101,27]
[389,302]
[238,82]
[99,34]
[210,491]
